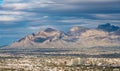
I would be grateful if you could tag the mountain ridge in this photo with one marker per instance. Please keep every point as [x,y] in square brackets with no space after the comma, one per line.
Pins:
[77,37]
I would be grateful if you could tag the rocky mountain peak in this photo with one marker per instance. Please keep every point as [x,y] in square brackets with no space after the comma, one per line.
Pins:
[108,27]
[50,30]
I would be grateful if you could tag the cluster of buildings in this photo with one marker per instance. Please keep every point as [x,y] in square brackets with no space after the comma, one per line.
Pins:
[60,63]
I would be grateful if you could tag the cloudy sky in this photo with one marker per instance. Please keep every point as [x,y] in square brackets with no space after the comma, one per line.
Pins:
[21,17]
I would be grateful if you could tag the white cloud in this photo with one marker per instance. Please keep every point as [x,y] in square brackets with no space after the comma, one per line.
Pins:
[8,18]
[13,12]
[34,28]
[15,15]
[107,16]
[89,22]
[21,4]
[71,21]
[16,6]
[45,16]
[63,6]
[82,1]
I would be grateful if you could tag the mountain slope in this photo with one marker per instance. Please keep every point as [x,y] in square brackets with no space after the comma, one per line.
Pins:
[77,37]
[41,38]
[92,38]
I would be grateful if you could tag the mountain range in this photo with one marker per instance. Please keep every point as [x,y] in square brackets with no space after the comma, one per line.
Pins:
[105,35]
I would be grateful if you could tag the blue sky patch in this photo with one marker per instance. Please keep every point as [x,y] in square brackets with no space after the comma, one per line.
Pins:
[1,1]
